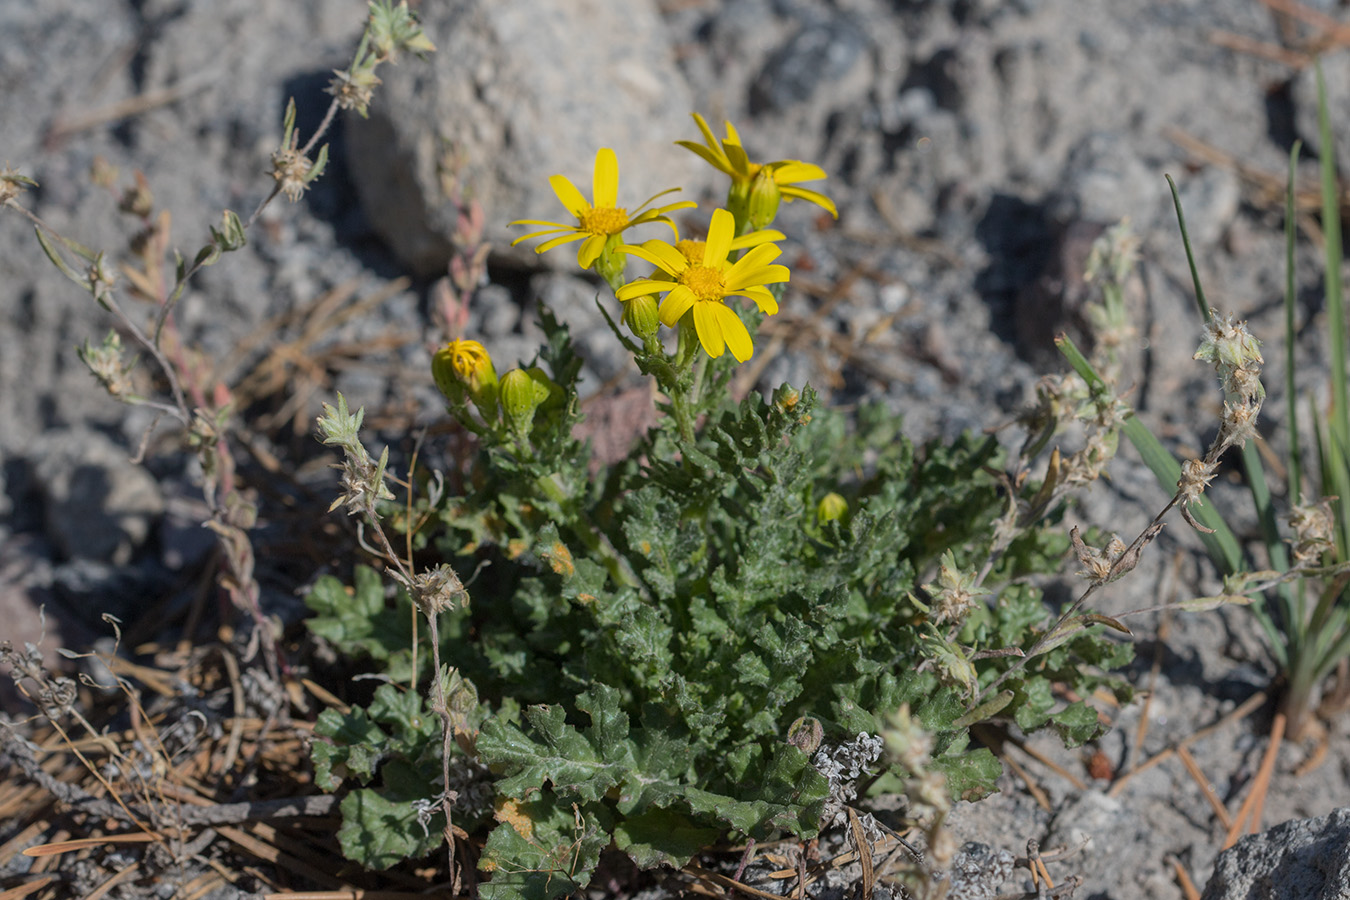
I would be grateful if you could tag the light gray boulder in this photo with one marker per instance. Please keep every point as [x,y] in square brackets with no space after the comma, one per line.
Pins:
[515,93]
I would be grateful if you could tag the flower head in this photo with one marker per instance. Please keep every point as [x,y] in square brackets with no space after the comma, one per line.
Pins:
[747,192]
[600,219]
[463,367]
[698,277]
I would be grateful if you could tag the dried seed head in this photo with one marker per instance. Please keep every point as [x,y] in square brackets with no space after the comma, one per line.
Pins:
[1195,477]
[290,169]
[1314,530]
[437,590]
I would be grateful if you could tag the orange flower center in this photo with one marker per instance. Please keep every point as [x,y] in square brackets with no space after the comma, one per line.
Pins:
[604,220]
[706,282]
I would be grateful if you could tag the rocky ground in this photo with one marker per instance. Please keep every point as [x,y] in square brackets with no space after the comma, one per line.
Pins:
[973,146]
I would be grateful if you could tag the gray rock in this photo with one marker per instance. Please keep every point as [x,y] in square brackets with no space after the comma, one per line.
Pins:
[521,91]
[1105,181]
[97,504]
[821,52]
[978,871]
[1336,75]
[1299,860]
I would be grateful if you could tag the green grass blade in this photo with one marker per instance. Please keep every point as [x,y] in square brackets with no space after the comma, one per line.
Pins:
[1200,301]
[1339,424]
[1295,461]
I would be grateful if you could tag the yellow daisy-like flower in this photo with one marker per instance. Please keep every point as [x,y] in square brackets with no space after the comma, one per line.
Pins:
[701,278]
[728,155]
[597,222]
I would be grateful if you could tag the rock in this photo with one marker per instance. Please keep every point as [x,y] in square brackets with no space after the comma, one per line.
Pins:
[1336,76]
[978,871]
[1104,180]
[517,92]
[97,504]
[1300,859]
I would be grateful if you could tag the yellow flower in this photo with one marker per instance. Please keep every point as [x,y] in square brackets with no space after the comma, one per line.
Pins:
[597,222]
[729,156]
[463,366]
[701,278]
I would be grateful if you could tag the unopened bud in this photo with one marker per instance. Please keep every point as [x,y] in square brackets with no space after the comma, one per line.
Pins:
[831,508]
[640,315]
[523,391]
[464,369]
[763,200]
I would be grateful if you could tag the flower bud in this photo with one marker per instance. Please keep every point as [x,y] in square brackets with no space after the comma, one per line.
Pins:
[523,391]
[463,368]
[640,315]
[763,200]
[831,508]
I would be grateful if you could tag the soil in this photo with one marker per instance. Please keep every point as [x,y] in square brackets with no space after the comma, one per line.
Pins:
[973,147]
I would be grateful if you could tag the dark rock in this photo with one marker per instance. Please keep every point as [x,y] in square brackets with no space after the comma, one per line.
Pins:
[1299,860]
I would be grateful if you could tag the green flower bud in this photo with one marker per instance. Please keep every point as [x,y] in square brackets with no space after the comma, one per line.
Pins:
[523,392]
[464,369]
[831,508]
[763,200]
[640,315]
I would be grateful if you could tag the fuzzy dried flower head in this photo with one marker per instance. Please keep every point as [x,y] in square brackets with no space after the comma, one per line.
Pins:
[1235,354]
[355,89]
[1314,530]
[1196,474]
[437,590]
[290,169]
[1097,564]
[1239,423]
[954,592]
[598,219]
[106,364]
[1114,254]
[12,184]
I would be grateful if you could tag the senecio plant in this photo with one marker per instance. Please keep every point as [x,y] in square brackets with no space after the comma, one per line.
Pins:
[765,611]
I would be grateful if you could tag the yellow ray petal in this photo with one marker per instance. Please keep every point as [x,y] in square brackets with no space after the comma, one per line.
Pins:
[796,193]
[605,181]
[762,297]
[590,251]
[559,241]
[641,287]
[569,195]
[721,231]
[535,234]
[664,256]
[752,277]
[709,327]
[755,238]
[733,331]
[794,170]
[675,305]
